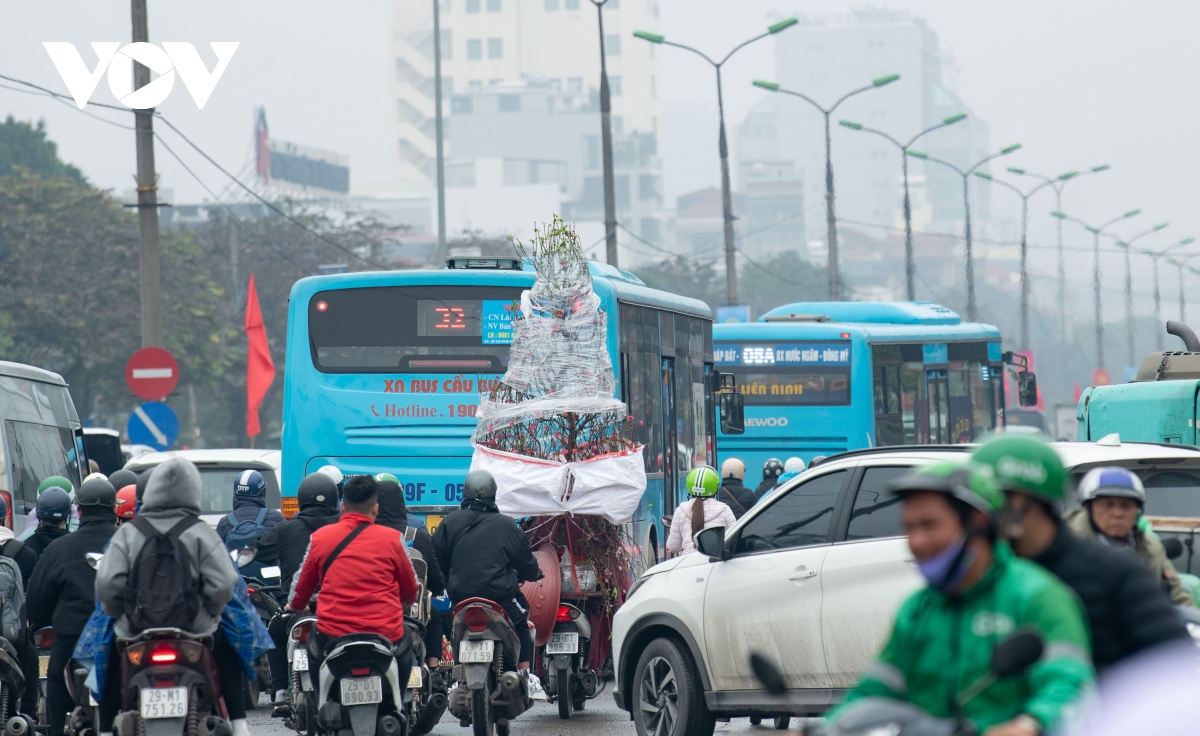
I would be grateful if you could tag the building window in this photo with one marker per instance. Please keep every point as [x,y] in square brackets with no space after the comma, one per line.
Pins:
[510,103]
[473,6]
[571,4]
[614,86]
[551,4]
[461,105]
[474,49]
[493,6]
[575,85]
[475,85]
[612,45]
[495,48]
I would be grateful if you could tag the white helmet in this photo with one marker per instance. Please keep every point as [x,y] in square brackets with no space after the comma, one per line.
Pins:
[1111,482]
[733,468]
[793,465]
[332,472]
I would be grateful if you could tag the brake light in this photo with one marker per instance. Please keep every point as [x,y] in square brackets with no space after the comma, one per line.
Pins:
[360,671]
[300,633]
[164,656]
[476,619]
[565,615]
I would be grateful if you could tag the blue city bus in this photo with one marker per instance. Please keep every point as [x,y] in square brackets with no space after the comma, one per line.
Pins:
[384,372]
[825,377]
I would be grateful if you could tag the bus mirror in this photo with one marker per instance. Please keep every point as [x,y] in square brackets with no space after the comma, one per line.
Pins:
[723,382]
[733,419]
[1027,391]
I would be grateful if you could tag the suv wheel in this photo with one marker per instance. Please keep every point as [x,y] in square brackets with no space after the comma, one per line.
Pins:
[669,700]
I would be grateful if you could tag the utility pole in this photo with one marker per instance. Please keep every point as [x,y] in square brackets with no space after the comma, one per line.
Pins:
[437,102]
[147,196]
[233,260]
[610,196]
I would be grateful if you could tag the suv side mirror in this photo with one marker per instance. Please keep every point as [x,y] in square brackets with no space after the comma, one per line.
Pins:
[1027,391]
[711,541]
[733,415]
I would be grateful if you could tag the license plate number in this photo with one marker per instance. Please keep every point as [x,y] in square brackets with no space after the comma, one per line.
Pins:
[475,651]
[362,691]
[164,702]
[565,643]
[43,665]
[300,660]
[414,678]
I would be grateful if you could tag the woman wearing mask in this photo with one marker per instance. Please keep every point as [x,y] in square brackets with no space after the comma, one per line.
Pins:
[699,512]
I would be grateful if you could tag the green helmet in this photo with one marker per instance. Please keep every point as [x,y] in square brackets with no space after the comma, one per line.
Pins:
[968,482]
[56,481]
[381,477]
[703,481]
[1025,464]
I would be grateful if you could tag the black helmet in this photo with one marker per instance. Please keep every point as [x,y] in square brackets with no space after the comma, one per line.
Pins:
[95,492]
[773,468]
[479,486]
[142,481]
[53,505]
[121,478]
[317,489]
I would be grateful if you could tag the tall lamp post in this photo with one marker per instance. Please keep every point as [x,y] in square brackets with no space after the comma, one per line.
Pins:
[606,148]
[972,310]
[1127,245]
[437,103]
[1024,246]
[1179,264]
[830,215]
[1059,183]
[731,290]
[910,268]
[1154,256]
[1096,231]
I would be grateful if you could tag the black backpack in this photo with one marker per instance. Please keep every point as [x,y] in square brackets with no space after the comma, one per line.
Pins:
[162,592]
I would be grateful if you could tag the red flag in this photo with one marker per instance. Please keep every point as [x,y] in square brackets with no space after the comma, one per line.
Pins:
[260,369]
[262,161]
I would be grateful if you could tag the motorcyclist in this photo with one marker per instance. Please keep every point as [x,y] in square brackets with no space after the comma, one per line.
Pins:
[734,492]
[1113,499]
[699,512]
[368,585]
[172,494]
[53,510]
[792,467]
[977,593]
[1128,613]
[249,506]
[52,481]
[26,560]
[62,590]
[285,545]
[126,507]
[484,554]
[772,470]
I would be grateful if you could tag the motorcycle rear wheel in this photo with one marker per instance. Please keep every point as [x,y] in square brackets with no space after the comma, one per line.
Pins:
[564,695]
[481,709]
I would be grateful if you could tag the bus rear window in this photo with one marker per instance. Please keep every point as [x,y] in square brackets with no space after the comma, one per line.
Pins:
[413,329]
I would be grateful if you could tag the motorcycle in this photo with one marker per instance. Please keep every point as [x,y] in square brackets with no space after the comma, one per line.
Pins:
[871,716]
[12,687]
[302,694]
[170,685]
[360,687]
[43,641]
[570,680]
[428,694]
[84,719]
[488,691]
[267,606]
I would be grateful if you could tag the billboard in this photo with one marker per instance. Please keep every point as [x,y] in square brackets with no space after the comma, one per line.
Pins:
[302,166]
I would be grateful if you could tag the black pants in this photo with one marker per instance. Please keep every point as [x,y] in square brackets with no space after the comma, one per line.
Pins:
[58,698]
[517,609]
[433,635]
[279,628]
[29,665]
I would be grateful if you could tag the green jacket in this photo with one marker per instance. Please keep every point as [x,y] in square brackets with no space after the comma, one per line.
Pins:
[1148,547]
[940,645]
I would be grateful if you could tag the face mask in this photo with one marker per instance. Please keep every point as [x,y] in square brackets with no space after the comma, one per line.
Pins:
[947,569]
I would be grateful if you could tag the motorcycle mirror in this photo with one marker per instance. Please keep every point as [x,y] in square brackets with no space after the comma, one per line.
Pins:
[1017,652]
[1173,547]
[768,673]
[93,559]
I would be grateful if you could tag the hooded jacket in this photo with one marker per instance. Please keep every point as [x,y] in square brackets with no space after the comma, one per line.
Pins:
[286,543]
[483,554]
[1149,549]
[62,591]
[246,508]
[172,493]
[736,495]
[393,512]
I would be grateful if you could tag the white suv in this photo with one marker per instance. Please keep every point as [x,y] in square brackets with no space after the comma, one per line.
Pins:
[811,576]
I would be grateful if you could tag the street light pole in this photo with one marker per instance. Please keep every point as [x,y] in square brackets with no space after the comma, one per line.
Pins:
[1127,245]
[910,267]
[1024,247]
[437,102]
[731,290]
[1155,256]
[606,146]
[1095,231]
[972,309]
[830,213]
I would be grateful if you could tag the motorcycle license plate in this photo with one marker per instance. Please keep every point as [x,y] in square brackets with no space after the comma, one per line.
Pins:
[414,678]
[362,690]
[164,702]
[475,651]
[43,665]
[565,643]
[300,660]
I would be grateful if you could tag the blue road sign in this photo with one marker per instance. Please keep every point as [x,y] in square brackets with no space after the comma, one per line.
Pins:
[153,424]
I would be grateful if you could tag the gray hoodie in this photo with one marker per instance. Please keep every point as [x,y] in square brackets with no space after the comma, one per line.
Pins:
[172,494]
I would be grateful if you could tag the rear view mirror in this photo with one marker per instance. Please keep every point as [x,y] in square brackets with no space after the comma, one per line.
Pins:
[1017,653]
[1173,547]
[711,541]
[768,674]
[1027,391]
[732,411]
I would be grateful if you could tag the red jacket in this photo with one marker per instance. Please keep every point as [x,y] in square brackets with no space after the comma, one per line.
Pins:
[369,586]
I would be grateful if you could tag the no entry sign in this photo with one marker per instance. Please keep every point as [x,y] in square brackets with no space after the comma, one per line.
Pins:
[152,373]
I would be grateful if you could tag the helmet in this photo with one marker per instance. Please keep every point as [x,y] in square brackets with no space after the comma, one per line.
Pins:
[773,468]
[380,477]
[1025,464]
[793,465]
[333,473]
[317,489]
[56,481]
[817,461]
[1111,483]
[733,468]
[126,502]
[95,492]
[967,481]
[54,505]
[479,485]
[121,478]
[95,475]
[702,481]
[250,483]
[142,481]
